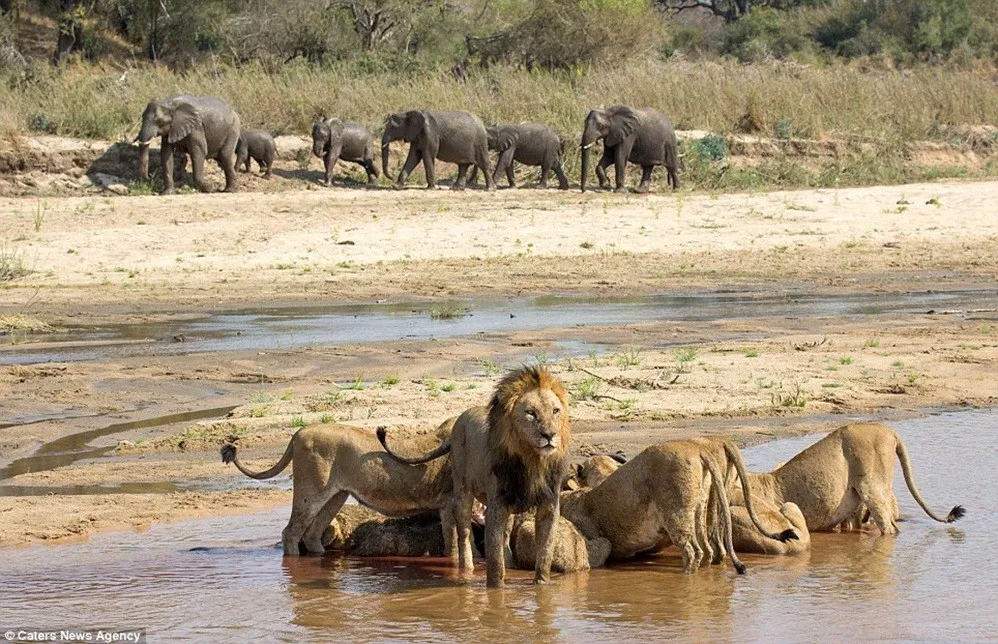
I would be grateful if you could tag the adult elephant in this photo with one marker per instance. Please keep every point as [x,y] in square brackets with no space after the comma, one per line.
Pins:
[204,127]
[642,136]
[455,137]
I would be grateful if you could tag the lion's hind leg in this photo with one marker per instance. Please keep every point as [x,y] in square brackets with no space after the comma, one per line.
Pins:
[681,528]
[313,534]
[876,498]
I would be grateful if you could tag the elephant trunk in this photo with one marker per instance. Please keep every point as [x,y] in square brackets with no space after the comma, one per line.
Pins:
[318,148]
[589,137]
[385,140]
[144,161]
[148,131]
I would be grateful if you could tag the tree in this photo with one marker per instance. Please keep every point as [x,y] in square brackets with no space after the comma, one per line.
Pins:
[375,20]
[71,15]
[730,10]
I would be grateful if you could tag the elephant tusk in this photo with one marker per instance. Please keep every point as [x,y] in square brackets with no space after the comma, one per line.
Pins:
[586,147]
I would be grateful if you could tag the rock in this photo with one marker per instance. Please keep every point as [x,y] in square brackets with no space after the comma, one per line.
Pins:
[111,183]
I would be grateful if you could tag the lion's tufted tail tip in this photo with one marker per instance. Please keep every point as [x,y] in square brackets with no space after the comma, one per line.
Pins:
[228,453]
[788,535]
[956,513]
[382,433]
[740,568]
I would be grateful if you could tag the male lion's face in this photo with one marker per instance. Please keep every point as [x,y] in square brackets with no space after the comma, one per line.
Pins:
[539,417]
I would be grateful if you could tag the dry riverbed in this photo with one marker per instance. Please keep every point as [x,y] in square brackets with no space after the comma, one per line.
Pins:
[100,261]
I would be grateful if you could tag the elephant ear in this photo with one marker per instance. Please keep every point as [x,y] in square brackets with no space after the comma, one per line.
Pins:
[623,122]
[415,124]
[506,138]
[186,118]
[335,126]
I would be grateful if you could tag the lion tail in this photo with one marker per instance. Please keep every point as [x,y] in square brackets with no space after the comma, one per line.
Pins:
[723,511]
[442,449]
[902,453]
[229,456]
[735,457]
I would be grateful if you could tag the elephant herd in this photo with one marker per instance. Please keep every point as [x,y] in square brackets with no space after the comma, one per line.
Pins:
[206,127]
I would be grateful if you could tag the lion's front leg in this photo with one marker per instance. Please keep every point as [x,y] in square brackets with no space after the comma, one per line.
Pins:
[547,514]
[496,516]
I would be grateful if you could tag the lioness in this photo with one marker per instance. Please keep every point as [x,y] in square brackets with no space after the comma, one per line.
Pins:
[468,447]
[831,480]
[657,498]
[333,461]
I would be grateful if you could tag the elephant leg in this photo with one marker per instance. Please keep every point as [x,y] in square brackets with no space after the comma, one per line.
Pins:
[503,164]
[545,171]
[180,169]
[371,169]
[562,178]
[673,177]
[645,178]
[332,156]
[225,160]
[482,161]
[197,168]
[411,160]
[473,177]
[510,174]
[242,161]
[462,176]
[166,165]
[269,160]
[601,167]
[429,168]
[620,165]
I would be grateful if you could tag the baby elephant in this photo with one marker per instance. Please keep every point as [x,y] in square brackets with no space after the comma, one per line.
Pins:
[529,144]
[259,146]
[334,139]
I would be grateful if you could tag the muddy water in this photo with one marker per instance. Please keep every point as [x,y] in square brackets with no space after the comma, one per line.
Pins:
[294,328]
[224,579]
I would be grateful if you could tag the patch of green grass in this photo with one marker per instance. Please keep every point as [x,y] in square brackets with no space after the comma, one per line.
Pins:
[845,360]
[751,353]
[432,387]
[491,367]
[259,412]
[287,395]
[356,385]
[630,358]
[897,364]
[450,386]
[587,388]
[448,311]
[872,342]
[797,397]
[831,385]
[389,381]
[298,422]
[325,419]
[686,355]
[12,265]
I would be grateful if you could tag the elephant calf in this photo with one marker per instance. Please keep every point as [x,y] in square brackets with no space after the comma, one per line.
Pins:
[334,139]
[259,146]
[529,144]
[454,137]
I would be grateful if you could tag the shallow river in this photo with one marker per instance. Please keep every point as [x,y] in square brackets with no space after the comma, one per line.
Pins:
[224,579]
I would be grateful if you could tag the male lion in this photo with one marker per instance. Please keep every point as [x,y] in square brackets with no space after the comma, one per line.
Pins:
[511,455]
[333,461]
[833,479]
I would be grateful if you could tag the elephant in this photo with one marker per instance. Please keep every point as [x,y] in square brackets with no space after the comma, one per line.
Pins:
[259,146]
[334,139]
[205,127]
[642,136]
[455,137]
[527,143]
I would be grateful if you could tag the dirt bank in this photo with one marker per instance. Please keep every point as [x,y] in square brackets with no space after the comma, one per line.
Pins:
[93,256]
